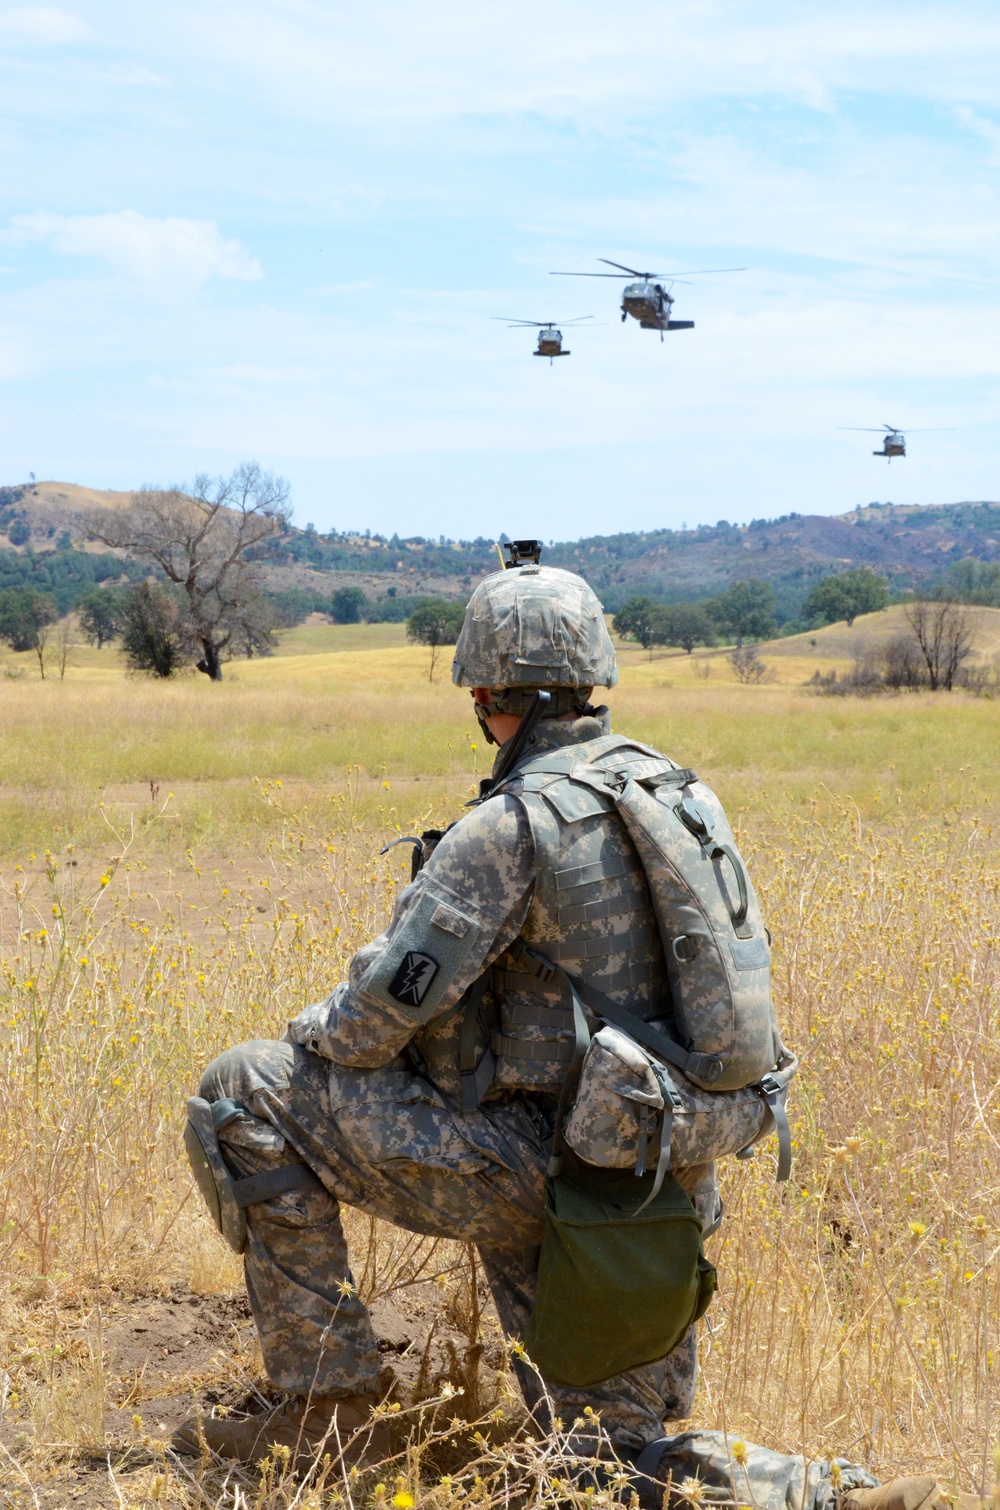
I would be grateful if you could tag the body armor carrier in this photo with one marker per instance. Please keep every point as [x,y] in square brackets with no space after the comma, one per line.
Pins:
[642,917]
[591,913]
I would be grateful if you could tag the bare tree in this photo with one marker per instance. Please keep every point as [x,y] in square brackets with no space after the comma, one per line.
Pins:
[749,667]
[944,630]
[204,542]
[64,647]
[42,636]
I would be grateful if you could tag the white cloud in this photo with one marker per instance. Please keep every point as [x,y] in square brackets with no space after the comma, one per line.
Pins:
[570,59]
[41,23]
[166,251]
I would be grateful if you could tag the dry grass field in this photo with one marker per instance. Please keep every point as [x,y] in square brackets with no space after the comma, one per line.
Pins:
[184,865]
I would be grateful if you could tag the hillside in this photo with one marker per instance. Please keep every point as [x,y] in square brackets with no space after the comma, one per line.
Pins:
[908,544]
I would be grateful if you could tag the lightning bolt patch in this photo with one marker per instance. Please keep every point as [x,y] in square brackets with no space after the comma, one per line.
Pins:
[412,980]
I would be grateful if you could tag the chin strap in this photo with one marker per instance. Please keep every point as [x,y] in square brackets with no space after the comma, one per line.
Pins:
[519,700]
[482,713]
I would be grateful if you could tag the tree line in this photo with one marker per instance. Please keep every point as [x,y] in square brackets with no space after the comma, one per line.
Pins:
[747,611]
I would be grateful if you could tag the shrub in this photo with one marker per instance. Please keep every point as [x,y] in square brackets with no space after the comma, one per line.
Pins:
[152,631]
[748,666]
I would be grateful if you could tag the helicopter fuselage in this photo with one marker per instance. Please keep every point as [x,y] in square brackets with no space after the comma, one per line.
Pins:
[550,344]
[893,445]
[650,304]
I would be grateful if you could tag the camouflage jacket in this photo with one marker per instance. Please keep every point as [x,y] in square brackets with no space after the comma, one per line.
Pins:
[480,891]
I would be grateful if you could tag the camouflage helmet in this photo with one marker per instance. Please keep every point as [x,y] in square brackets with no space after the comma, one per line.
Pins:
[534,626]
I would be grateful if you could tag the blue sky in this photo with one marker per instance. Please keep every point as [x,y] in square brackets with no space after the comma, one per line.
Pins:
[281,230]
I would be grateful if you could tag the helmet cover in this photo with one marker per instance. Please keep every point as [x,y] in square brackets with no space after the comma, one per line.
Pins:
[534,626]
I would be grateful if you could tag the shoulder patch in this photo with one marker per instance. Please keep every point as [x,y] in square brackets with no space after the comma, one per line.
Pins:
[413,979]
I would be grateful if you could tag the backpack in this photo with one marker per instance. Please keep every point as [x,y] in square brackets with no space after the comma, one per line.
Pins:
[723,1037]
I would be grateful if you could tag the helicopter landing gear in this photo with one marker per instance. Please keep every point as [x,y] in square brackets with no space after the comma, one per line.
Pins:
[624,315]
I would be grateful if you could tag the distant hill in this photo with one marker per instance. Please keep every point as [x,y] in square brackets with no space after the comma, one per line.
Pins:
[909,545]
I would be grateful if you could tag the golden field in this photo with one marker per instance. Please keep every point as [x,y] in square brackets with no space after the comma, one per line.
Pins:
[185,864]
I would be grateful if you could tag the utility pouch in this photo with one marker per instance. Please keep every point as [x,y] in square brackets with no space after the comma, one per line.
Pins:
[627,1106]
[621,1275]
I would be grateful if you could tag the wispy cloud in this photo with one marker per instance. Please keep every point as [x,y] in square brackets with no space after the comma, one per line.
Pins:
[41,23]
[400,195]
[166,251]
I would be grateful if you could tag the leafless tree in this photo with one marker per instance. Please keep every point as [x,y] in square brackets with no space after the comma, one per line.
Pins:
[42,637]
[203,541]
[64,647]
[749,667]
[944,630]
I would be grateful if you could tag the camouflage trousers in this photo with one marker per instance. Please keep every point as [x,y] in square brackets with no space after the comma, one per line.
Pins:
[388,1142]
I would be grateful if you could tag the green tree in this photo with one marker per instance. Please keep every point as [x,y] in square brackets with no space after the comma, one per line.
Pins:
[972,581]
[845,595]
[293,604]
[745,611]
[152,630]
[25,616]
[435,622]
[634,621]
[347,605]
[685,625]
[100,610]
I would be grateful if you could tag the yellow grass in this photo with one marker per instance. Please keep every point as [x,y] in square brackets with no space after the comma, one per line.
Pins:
[859,1307]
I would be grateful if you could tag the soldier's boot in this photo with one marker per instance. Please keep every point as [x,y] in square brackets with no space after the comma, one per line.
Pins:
[899,1494]
[342,1428]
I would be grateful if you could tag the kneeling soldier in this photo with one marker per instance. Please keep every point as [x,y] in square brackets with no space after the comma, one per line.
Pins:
[426,1089]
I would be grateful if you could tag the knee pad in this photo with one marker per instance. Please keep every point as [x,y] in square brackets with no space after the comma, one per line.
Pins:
[210,1169]
[227,1198]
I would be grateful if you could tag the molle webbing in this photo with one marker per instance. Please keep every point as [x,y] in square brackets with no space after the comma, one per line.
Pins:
[596,870]
[605,946]
[550,1052]
[598,910]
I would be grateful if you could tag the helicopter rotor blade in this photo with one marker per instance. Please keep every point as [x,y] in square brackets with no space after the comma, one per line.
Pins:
[632,271]
[697,272]
[511,323]
[635,273]
[865,429]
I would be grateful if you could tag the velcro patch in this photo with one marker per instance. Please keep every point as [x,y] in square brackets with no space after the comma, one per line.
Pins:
[450,921]
[751,954]
[413,979]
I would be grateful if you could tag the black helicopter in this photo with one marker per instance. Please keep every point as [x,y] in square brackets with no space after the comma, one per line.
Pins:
[549,337]
[893,441]
[647,300]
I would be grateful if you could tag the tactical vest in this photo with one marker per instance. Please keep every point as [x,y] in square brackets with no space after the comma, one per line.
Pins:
[689,955]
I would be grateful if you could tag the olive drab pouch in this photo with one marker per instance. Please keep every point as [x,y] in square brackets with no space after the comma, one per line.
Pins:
[621,1276]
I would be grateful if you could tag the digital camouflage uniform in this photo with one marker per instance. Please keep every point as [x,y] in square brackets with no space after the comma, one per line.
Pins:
[365,1089]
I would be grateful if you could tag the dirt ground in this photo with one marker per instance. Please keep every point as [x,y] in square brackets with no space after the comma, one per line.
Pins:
[167,1355]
